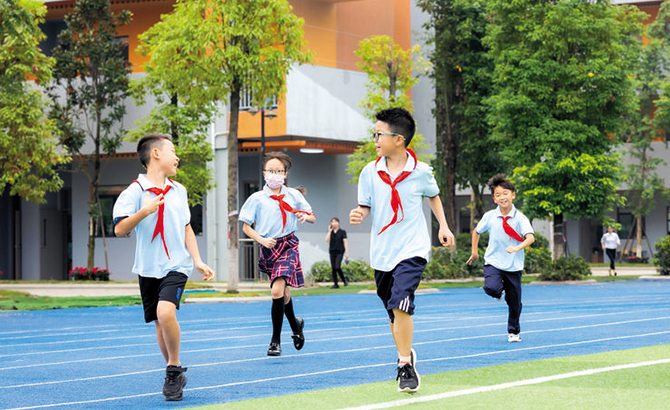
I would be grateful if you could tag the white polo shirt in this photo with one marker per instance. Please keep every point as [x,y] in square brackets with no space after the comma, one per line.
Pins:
[151,260]
[265,212]
[496,251]
[410,237]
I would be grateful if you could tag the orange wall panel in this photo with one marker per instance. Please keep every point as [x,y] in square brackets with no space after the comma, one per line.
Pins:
[320,29]
[358,20]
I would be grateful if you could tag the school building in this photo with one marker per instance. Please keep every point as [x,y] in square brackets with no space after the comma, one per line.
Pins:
[318,122]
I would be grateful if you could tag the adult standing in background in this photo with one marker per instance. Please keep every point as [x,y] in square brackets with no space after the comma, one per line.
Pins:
[337,249]
[610,241]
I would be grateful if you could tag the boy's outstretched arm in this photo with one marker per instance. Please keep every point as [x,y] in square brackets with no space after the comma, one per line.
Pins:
[444,233]
[475,248]
[192,246]
[357,215]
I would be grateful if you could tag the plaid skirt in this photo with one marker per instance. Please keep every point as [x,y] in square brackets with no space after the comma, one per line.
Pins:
[283,260]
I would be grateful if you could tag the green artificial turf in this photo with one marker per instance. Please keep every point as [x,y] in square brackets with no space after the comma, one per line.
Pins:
[639,388]
[14,300]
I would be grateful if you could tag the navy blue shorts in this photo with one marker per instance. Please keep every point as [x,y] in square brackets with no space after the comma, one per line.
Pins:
[396,288]
[170,289]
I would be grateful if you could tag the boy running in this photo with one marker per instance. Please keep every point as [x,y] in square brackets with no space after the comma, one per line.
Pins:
[509,232]
[391,191]
[156,208]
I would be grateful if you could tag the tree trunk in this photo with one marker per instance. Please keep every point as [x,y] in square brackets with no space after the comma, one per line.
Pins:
[638,235]
[233,224]
[94,214]
[559,236]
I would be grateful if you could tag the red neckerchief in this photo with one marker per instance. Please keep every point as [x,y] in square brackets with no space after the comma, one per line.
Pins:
[285,207]
[509,230]
[396,204]
[159,229]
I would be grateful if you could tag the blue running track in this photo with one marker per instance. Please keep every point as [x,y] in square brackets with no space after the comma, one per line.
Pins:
[107,358]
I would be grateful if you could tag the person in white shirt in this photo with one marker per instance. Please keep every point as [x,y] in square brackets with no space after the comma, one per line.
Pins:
[153,206]
[391,191]
[610,241]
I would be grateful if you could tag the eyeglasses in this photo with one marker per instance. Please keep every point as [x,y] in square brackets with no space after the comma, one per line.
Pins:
[275,171]
[376,135]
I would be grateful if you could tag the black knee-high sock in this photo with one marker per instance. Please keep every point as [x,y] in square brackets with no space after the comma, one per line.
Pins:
[290,315]
[277,318]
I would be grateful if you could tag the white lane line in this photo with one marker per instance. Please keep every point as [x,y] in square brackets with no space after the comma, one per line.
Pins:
[345,369]
[509,385]
[419,321]
[330,339]
[425,309]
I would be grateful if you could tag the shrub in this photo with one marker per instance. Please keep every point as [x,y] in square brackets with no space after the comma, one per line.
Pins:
[358,271]
[464,241]
[537,261]
[540,242]
[636,259]
[354,271]
[662,256]
[82,273]
[321,272]
[450,264]
[566,268]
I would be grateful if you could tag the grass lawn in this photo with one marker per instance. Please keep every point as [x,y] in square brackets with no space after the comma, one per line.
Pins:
[14,300]
[643,387]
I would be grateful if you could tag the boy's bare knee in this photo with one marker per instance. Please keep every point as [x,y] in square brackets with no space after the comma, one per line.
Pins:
[166,311]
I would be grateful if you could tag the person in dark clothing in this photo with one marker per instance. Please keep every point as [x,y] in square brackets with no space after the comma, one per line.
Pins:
[338,248]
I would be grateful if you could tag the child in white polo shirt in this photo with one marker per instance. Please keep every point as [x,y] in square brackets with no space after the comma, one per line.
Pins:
[391,190]
[275,212]
[509,233]
[156,208]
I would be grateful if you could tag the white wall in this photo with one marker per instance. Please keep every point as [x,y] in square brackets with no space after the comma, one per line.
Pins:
[323,102]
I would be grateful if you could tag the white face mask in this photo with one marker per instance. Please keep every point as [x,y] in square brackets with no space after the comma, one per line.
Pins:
[274,181]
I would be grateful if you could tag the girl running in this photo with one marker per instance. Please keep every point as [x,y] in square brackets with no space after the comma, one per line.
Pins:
[276,210]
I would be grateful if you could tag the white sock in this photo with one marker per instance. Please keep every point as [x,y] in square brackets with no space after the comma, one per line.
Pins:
[404,359]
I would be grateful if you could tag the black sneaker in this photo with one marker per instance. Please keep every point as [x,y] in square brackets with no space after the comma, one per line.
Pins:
[409,380]
[274,349]
[299,337]
[335,287]
[173,389]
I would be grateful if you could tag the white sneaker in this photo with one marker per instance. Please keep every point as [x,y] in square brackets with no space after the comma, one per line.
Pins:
[501,297]
[513,337]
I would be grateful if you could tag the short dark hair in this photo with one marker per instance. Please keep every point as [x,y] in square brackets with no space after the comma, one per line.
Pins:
[334,219]
[146,144]
[400,121]
[499,180]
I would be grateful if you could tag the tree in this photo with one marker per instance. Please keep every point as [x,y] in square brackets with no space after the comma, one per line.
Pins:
[462,73]
[189,128]
[88,91]
[390,77]
[28,155]
[206,49]
[563,86]
[643,181]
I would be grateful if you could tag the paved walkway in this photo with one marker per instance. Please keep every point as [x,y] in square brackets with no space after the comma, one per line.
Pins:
[131,289]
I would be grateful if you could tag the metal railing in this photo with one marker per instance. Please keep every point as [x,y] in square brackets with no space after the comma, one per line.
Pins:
[249,252]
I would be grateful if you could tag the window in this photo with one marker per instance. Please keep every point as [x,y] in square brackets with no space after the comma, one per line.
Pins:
[123,40]
[627,221]
[245,102]
[51,30]
[108,196]
[464,221]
